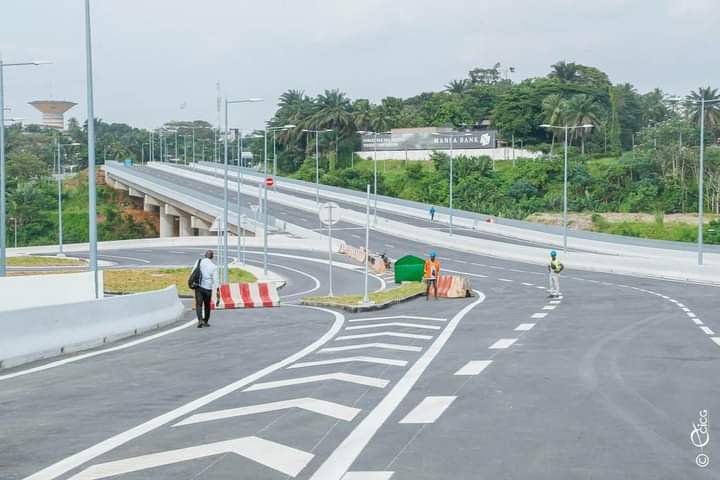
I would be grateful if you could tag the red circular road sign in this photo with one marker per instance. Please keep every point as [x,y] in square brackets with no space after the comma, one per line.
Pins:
[269,181]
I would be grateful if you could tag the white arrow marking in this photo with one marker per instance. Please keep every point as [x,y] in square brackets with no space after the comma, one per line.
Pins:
[474,367]
[330,409]
[387,346]
[428,410]
[379,361]
[287,460]
[395,324]
[385,334]
[342,377]
[367,476]
[398,317]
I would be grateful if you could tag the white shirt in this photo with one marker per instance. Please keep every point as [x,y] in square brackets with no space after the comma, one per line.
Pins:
[209,274]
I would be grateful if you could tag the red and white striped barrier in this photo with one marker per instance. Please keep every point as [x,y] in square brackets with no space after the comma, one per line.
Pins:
[450,286]
[245,295]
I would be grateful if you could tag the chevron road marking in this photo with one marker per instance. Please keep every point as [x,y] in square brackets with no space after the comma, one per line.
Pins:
[377,360]
[341,377]
[398,317]
[387,346]
[395,324]
[385,334]
[287,460]
[322,407]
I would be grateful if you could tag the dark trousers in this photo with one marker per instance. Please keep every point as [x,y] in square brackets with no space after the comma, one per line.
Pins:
[431,282]
[202,304]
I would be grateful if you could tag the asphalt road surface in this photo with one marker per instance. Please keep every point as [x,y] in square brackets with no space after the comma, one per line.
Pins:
[605,383]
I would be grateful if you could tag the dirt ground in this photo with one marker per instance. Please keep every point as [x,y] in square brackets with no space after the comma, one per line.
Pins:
[583,221]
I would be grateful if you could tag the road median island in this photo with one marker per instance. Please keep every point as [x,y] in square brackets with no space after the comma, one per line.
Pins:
[120,282]
[380,300]
[42,261]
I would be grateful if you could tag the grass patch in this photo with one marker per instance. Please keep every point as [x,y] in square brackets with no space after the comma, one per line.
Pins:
[406,290]
[36,261]
[144,280]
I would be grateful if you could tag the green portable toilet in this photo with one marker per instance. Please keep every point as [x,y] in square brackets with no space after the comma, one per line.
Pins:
[409,269]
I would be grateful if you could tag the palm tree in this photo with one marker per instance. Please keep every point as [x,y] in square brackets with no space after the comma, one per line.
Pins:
[554,112]
[712,110]
[332,109]
[362,114]
[294,109]
[583,110]
[563,71]
[458,86]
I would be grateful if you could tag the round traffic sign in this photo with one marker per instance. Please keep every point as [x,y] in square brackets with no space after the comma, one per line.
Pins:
[269,181]
[329,213]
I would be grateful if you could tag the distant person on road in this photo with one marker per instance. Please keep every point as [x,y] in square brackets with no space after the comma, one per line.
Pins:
[554,269]
[432,213]
[432,273]
[208,282]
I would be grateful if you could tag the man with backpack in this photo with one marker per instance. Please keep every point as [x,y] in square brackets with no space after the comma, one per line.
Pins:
[203,279]
[554,269]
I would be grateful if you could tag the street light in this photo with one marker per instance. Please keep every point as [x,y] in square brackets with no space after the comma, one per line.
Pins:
[452,136]
[92,194]
[59,193]
[2,155]
[365,132]
[274,130]
[225,195]
[566,128]
[317,159]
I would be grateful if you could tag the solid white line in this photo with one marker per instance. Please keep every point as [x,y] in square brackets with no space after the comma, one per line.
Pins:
[474,367]
[322,407]
[707,331]
[538,315]
[524,327]
[394,324]
[385,334]
[338,463]
[377,360]
[503,343]
[83,356]
[549,307]
[339,376]
[397,317]
[428,410]
[84,456]
[367,476]
[716,340]
[387,346]
[282,458]
[697,321]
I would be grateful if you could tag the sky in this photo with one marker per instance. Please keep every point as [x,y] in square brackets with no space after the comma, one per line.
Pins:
[159,60]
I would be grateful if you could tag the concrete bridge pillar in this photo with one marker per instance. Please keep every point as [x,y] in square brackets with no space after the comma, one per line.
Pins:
[151,204]
[185,227]
[167,224]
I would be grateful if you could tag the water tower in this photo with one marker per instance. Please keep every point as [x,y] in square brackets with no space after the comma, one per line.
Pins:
[53,112]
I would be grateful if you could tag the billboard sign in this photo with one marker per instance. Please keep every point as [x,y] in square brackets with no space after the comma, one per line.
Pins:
[425,140]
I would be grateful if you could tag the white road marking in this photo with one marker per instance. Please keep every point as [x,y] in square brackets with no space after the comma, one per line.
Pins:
[141,260]
[428,410]
[504,279]
[716,340]
[524,327]
[395,324]
[176,252]
[474,367]
[707,331]
[549,307]
[691,315]
[541,288]
[385,334]
[387,346]
[63,466]
[397,317]
[554,302]
[322,407]
[497,267]
[503,343]
[334,361]
[338,463]
[538,315]
[679,304]
[697,321]
[389,246]
[367,476]
[685,309]
[355,235]
[77,358]
[528,284]
[341,377]
[478,264]
[287,460]
[469,274]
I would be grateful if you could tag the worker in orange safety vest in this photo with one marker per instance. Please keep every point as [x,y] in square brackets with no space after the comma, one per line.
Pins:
[432,273]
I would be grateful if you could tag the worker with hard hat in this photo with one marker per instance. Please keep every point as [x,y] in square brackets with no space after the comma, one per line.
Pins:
[432,273]
[554,269]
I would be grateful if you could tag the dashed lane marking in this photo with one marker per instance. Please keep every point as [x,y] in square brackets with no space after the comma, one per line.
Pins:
[334,361]
[707,331]
[549,307]
[503,343]
[528,284]
[474,367]
[504,279]
[716,340]
[538,315]
[697,321]
[524,327]
[428,410]
[386,346]
[341,377]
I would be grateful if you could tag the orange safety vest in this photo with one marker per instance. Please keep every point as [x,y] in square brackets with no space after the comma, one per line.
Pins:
[432,269]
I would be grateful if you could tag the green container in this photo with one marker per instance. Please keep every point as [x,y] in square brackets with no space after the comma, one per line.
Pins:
[409,269]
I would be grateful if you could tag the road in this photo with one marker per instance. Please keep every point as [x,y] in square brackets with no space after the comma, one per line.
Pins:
[605,383]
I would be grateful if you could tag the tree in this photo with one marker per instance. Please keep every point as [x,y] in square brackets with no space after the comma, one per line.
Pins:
[712,110]
[583,110]
[457,86]
[362,114]
[565,72]
[332,109]
[554,112]
[485,76]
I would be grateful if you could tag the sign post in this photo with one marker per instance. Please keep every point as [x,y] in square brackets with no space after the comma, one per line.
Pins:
[366,298]
[268,183]
[329,214]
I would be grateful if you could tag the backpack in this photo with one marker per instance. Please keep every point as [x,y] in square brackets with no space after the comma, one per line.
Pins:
[195,276]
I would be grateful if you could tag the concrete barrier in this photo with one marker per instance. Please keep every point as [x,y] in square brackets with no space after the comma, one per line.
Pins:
[29,291]
[451,286]
[41,332]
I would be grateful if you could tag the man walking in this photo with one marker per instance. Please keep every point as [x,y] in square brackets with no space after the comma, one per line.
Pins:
[203,293]
[554,269]
[432,273]
[432,213]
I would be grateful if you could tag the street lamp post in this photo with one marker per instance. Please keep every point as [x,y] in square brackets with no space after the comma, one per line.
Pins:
[2,156]
[452,136]
[375,134]
[317,159]
[59,194]
[92,199]
[566,129]
[274,130]
[225,195]
[701,176]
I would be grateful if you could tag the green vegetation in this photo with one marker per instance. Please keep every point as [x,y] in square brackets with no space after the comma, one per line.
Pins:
[36,261]
[144,280]
[403,292]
